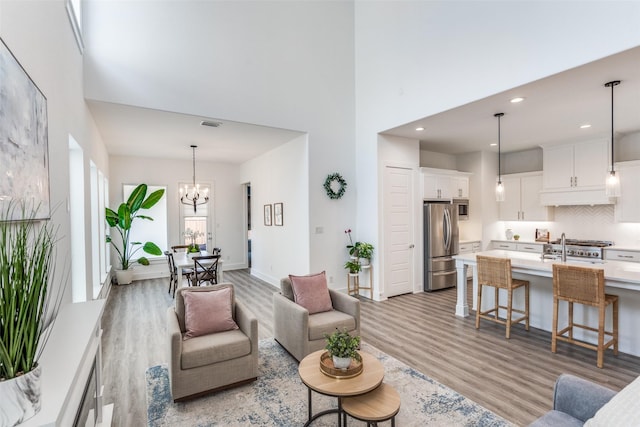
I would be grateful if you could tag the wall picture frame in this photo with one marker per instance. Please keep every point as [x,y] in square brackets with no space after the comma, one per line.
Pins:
[24,145]
[267,215]
[278,218]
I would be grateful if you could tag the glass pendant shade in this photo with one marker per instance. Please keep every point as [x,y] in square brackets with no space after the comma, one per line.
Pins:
[613,184]
[499,192]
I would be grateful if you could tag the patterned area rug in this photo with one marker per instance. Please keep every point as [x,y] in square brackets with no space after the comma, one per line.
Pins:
[279,398]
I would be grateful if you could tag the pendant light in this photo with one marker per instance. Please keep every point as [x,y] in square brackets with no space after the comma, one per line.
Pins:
[613,181]
[193,197]
[499,186]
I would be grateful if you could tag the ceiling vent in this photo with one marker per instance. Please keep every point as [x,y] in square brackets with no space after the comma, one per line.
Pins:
[210,123]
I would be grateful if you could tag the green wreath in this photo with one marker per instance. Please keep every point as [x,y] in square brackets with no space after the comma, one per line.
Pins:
[332,181]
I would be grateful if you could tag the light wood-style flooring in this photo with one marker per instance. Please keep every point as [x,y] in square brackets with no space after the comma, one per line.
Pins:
[514,378]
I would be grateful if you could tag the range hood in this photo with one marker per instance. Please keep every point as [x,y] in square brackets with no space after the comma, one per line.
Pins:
[575,197]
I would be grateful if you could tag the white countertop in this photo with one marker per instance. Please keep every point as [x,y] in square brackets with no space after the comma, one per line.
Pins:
[619,274]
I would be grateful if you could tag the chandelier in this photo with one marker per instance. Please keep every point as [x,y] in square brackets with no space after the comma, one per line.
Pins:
[193,197]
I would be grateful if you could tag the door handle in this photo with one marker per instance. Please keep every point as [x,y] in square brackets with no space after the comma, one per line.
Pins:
[411,246]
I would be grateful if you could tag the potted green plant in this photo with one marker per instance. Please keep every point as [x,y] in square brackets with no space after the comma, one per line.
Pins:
[122,221]
[365,252]
[342,347]
[353,265]
[27,309]
[193,235]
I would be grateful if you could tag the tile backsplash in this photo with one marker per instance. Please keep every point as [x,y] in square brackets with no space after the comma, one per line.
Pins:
[582,222]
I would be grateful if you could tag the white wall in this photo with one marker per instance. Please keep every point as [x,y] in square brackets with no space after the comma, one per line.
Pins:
[40,36]
[281,176]
[228,204]
[431,159]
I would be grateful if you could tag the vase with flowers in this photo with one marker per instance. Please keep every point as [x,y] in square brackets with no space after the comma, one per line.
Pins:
[193,235]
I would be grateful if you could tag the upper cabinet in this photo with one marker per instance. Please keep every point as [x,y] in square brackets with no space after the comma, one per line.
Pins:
[628,205]
[522,198]
[574,174]
[444,184]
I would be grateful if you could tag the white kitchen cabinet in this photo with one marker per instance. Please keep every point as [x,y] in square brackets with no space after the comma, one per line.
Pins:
[460,187]
[437,186]
[574,174]
[522,198]
[628,204]
[444,184]
[467,248]
[529,247]
[622,255]
[506,246]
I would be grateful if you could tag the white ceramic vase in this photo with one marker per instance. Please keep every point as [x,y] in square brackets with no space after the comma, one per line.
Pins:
[124,277]
[341,362]
[20,398]
[509,234]
[365,261]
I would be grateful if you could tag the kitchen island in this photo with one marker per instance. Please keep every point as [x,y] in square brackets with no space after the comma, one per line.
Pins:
[621,278]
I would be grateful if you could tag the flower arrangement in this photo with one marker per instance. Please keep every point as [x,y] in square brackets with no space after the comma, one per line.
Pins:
[193,235]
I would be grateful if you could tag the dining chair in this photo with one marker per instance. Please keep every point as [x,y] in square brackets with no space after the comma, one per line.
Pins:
[583,285]
[205,269]
[173,272]
[496,272]
[180,248]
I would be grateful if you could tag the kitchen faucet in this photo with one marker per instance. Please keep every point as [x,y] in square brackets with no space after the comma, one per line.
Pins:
[563,242]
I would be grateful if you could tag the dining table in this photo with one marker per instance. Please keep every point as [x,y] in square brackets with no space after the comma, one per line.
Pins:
[185,260]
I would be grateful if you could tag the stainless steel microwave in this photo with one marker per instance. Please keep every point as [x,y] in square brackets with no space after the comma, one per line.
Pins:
[462,206]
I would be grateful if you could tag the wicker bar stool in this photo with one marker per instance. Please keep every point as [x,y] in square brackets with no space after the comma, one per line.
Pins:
[496,272]
[583,285]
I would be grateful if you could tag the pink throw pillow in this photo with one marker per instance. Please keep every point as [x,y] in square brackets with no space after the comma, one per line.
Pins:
[208,312]
[311,292]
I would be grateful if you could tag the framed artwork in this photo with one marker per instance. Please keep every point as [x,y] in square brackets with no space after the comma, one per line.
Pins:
[24,150]
[277,213]
[267,215]
[542,235]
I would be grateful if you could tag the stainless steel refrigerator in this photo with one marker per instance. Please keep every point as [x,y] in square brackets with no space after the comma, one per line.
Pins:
[440,244]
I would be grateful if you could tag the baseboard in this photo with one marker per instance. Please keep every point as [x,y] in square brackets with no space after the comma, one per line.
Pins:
[275,282]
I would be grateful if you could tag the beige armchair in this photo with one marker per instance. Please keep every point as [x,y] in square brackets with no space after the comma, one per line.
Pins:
[301,333]
[214,361]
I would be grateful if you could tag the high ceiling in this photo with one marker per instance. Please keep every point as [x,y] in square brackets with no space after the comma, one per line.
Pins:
[553,110]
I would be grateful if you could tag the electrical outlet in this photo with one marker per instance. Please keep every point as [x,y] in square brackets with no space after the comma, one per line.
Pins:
[319,230]
[330,279]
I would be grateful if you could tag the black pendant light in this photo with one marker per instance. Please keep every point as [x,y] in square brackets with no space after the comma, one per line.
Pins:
[613,181]
[499,185]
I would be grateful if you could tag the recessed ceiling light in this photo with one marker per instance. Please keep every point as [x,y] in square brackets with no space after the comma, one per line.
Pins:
[419,128]
[516,100]
[493,144]
[585,126]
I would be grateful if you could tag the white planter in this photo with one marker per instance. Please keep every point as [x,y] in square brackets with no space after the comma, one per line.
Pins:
[20,398]
[341,362]
[365,261]
[124,277]
[354,274]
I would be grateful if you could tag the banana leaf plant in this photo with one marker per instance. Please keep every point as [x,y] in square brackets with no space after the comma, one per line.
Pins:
[27,308]
[122,222]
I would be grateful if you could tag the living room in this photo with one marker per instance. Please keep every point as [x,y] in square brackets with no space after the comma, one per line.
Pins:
[338,73]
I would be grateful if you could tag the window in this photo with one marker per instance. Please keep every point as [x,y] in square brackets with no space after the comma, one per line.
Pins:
[197,223]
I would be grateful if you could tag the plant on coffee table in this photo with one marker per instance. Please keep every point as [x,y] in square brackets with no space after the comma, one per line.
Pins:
[342,347]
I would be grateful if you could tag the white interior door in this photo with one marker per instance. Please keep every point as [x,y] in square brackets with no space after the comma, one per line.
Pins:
[398,231]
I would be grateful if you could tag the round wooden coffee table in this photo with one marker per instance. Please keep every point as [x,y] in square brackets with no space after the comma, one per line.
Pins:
[311,375]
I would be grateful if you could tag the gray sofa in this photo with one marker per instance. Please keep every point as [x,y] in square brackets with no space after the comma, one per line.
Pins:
[301,333]
[575,400]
